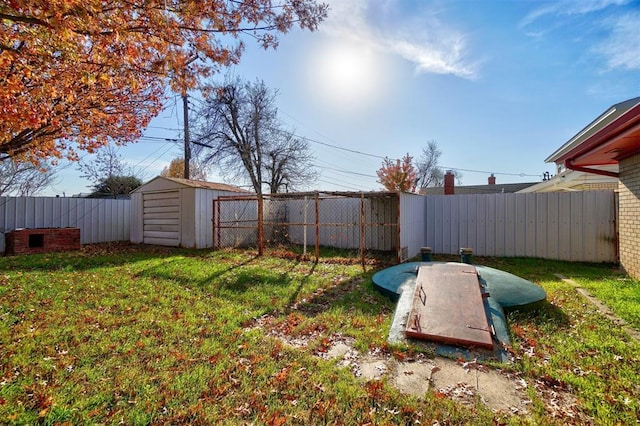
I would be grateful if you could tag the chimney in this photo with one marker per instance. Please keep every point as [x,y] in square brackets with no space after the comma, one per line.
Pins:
[449,183]
[492,179]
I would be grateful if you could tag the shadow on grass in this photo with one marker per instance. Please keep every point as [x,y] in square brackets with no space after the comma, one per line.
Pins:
[94,256]
[544,315]
[296,292]
[356,294]
[179,270]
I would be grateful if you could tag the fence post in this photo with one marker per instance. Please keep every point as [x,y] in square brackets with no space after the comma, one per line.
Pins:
[362,228]
[215,224]
[260,224]
[317,229]
[304,228]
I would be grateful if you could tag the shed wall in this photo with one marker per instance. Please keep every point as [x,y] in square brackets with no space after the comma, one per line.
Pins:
[203,215]
[189,217]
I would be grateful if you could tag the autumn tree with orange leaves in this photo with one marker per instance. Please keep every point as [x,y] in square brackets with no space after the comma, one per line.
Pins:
[399,175]
[175,169]
[80,74]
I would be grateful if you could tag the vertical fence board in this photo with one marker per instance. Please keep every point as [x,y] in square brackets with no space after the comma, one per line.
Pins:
[520,222]
[481,224]
[541,208]
[490,234]
[531,232]
[553,225]
[606,225]
[471,213]
[454,219]
[510,228]
[577,226]
[589,228]
[564,228]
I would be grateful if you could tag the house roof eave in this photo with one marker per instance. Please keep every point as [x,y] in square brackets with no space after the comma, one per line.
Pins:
[617,120]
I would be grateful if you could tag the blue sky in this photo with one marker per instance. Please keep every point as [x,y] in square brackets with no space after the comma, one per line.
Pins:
[499,85]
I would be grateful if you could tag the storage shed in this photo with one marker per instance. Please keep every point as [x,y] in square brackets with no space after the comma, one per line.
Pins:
[176,212]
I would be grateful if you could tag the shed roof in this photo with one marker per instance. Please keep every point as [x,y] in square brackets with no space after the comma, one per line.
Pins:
[190,183]
[611,137]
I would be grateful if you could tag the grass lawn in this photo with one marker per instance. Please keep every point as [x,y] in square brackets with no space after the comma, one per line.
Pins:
[147,335]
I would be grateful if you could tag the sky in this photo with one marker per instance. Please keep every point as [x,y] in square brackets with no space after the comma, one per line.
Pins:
[498,85]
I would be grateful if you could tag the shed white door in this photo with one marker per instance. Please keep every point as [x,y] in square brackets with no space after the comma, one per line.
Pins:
[161,218]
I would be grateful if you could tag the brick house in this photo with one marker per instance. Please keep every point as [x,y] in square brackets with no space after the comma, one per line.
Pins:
[612,140]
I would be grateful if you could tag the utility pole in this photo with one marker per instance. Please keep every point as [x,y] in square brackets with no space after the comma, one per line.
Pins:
[187,144]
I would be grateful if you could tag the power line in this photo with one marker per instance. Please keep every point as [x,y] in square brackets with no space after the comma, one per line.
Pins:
[343,171]
[339,147]
[165,128]
[351,188]
[148,156]
[358,152]
[381,157]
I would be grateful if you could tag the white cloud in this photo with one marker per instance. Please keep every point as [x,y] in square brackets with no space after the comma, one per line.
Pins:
[569,8]
[618,42]
[621,49]
[425,40]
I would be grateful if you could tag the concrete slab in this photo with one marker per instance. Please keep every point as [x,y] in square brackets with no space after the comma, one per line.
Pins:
[372,369]
[413,378]
[465,381]
[338,350]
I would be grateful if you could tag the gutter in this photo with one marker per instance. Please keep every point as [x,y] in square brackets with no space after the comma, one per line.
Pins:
[569,165]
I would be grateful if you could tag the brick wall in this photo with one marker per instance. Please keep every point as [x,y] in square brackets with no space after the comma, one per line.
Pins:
[28,241]
[597,186]
[629,215]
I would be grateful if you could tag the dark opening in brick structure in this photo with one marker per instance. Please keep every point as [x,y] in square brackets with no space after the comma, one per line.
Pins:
[36,240]
[41,240]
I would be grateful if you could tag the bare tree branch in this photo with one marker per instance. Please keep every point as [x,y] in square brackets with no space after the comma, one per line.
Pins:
[239,126]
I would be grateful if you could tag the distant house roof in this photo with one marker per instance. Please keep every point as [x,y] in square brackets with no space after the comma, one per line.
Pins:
[613,136]
[503,188]
[190,183]
[571,180]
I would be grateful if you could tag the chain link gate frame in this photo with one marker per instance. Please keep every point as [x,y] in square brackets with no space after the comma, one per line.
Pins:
[359,224]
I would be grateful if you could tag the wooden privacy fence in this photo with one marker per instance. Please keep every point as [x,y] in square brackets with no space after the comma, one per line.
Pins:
[573,226]
[100,220]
